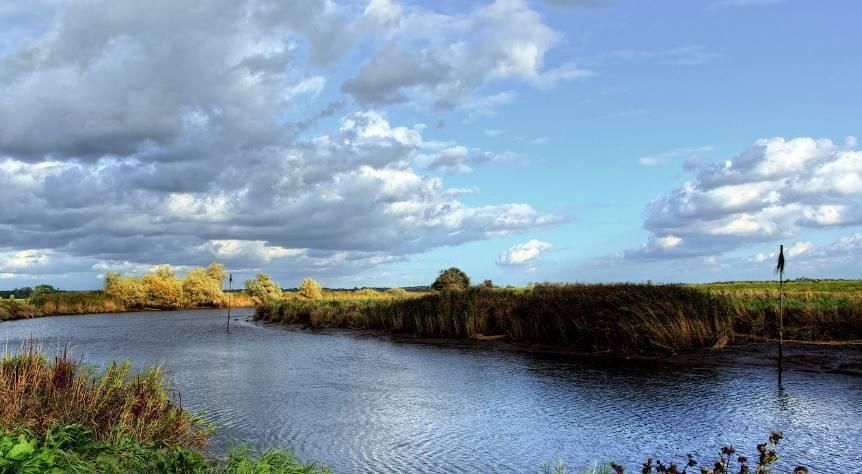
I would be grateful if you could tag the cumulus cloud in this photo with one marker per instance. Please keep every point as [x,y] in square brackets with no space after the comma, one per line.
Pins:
[771,191]
[460,160]
[346,198]
[136,134]
[525,254]
[441,59]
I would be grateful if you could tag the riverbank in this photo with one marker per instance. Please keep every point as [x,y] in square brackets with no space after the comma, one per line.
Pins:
[60,416]
[624,318]
[94,302]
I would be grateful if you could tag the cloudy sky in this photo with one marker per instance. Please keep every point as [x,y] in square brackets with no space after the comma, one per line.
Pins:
[376,142]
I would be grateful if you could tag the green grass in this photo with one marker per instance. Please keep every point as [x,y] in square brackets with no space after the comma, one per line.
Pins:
[813,310]
[72,448]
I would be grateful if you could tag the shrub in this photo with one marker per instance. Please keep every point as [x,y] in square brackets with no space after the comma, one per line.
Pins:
[202,288]
[397,292]
[262,289]
[451,279]
[163,290]
[310,289]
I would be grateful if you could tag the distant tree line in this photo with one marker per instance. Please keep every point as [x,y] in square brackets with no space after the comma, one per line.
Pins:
[26,292]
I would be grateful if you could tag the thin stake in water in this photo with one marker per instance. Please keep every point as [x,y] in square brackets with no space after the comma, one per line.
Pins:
[780,269]
[229,289]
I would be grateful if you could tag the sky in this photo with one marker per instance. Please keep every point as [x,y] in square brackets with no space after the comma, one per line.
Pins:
[374,143]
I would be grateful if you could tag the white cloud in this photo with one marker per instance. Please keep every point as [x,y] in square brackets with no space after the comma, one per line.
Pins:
[770,192]
[442,59]
[524,254]
[799,248]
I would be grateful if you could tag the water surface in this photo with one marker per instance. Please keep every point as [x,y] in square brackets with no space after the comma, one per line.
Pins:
[364,403]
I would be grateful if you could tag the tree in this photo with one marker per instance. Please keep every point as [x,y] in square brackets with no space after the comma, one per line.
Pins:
[217,273]
[44,290]
[129,290]
[163,290]
[310,288]
[451,279]
[488,284]
[262,288]
[203,287]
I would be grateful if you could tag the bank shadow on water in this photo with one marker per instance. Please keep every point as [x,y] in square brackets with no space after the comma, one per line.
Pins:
[362,402]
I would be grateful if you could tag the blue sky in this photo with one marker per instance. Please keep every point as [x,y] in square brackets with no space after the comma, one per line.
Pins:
[374,143]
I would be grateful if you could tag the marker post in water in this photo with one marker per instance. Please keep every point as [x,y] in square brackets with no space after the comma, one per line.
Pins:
[229,289]
[780,270]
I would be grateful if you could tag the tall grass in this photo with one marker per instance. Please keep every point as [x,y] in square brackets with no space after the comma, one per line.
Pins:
[89,302]
[58,415]
[113,404]
[76,302]
[594,318]
[813,310]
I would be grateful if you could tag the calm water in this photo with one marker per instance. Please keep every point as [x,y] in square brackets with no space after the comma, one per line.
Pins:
[367,404]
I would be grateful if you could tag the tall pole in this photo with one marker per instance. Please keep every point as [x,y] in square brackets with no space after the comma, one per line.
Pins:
[229,289]
[780,269]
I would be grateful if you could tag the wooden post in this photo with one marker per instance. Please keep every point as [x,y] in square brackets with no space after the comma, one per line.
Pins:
[229,289]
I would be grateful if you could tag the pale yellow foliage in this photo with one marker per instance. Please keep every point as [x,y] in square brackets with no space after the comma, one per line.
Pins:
[310,288]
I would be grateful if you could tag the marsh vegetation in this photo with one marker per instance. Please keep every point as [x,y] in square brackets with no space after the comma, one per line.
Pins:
[591,318]
[61,416]
[161,289]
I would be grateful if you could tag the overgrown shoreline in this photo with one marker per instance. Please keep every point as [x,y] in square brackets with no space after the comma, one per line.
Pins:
[625,318]
[61,416]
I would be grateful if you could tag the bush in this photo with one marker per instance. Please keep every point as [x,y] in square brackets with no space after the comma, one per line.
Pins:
[310,289]
[451,279]
[202,288]
[397,292]
[12,309]
[263,289]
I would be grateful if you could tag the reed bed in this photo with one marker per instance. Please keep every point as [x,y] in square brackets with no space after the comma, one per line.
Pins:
[593,318]
[76,302]
[59,415]
[813,311]
[114,403]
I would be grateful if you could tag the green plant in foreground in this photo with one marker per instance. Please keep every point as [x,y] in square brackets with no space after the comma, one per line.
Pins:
[768,455]
[71,448]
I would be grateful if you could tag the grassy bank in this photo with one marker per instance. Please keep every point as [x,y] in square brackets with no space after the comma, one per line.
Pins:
[813,310]
[60,416]
[595,318]
[590,318]
[89,302]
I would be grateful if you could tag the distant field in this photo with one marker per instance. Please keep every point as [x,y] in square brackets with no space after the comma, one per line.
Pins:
[832,286]
[813,309]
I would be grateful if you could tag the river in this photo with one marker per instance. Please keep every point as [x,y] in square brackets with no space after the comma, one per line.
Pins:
[366,403]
